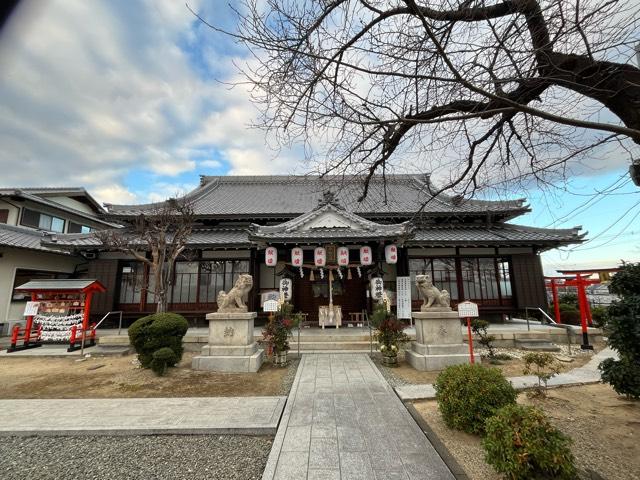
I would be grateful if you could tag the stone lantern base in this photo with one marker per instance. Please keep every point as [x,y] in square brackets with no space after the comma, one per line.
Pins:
[231,347]
[438,341]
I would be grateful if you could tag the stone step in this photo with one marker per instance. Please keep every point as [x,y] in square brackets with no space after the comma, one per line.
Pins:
[327,352]
[123,340]
[110,350]
[311,346]
[536,345]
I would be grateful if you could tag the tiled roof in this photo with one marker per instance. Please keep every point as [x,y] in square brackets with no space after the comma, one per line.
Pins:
[57,284]
[499,234]
[24,237]
[287,196]
[200,237]
[459,235]
[39,195]
[340,224]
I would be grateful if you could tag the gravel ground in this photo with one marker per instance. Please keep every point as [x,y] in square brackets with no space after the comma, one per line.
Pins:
[388,373]
[210,457]
[290,376]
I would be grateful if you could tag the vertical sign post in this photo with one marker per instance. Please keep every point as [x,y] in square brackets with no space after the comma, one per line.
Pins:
[468,310]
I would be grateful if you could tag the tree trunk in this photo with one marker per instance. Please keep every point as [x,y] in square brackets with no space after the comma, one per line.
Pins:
[614,85]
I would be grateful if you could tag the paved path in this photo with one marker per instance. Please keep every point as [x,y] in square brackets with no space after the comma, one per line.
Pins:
[588,373]
[343,421]
[142,416]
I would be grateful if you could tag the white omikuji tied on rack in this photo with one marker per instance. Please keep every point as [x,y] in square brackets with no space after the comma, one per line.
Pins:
[343,256]
[320,257]
[296,257]
[366,256]
[286,288]
[391,254]
[271,256]
[377,288]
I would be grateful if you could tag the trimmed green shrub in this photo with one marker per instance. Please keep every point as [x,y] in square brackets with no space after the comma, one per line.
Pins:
[623,328]
[151,333]
[522,444]
[469,394]
[599,315]
[568,299]
[569,314]
[162,359]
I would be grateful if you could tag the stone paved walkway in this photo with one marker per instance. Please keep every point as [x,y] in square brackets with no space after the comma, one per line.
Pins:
[142,416]
[343,421]
[588,373]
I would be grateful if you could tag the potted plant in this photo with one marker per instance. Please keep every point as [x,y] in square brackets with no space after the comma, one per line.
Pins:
[389,334]
[277,330]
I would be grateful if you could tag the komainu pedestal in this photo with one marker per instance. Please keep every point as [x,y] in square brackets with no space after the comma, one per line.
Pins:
[231,347]
[438,340]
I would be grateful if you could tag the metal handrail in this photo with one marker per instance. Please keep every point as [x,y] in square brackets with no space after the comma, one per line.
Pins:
[552,322]
[105,317]
[95,327]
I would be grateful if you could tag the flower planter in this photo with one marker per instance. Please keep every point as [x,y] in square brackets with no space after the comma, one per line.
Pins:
[390,360]
[280,358]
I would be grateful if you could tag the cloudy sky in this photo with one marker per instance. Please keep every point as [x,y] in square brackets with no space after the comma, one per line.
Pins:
[130,99]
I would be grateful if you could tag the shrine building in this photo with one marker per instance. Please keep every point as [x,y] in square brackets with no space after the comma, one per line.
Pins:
[313,232]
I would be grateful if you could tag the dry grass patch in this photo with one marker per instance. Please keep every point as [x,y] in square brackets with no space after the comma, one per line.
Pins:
[120,377]
[605,429]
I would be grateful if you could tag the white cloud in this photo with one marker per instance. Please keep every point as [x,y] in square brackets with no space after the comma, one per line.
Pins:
[114,194]
[91,91]
[210,164]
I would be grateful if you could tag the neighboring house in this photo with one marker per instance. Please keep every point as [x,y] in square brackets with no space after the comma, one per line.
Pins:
[467,246]
[26,216]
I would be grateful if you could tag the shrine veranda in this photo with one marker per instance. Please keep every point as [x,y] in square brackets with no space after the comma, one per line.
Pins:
[309,238]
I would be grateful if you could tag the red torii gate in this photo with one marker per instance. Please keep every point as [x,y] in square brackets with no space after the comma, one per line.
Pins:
[580,280]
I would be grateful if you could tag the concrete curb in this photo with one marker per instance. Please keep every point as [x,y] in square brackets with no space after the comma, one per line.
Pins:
[585,375]
[447,458]
[274,455]
[142,416]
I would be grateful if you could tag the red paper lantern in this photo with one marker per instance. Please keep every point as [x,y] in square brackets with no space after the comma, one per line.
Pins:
[271,256]
[343,256]
[366,256]
[320,257]
[296,257]
[391,254]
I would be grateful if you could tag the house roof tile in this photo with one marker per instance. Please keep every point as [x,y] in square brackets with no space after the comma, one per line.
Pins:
[290,195]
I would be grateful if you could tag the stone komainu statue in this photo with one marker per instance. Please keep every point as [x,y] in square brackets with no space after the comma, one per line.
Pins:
[233,301]
[431,296]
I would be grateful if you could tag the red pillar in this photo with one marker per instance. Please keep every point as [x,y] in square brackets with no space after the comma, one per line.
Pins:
[584,305]
[556,306]
[470,340]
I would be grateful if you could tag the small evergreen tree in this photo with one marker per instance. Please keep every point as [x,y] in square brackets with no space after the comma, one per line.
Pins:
[623,325]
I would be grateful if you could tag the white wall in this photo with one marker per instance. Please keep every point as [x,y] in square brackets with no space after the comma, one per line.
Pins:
[70,202]
[14,258]
[14,212]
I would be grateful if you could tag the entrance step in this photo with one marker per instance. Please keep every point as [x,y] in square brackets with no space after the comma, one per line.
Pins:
[309,346]
[536,345]
[114,351]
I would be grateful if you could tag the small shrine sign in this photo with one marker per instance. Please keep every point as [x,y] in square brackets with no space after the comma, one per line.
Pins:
[31,309]
[468,309]
[403,298]
[270,306]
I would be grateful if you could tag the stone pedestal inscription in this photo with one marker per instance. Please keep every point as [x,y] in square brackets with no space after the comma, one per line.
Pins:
[438,340]
[231,347]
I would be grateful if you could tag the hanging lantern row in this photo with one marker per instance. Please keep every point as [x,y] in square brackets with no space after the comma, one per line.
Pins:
[320,256]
